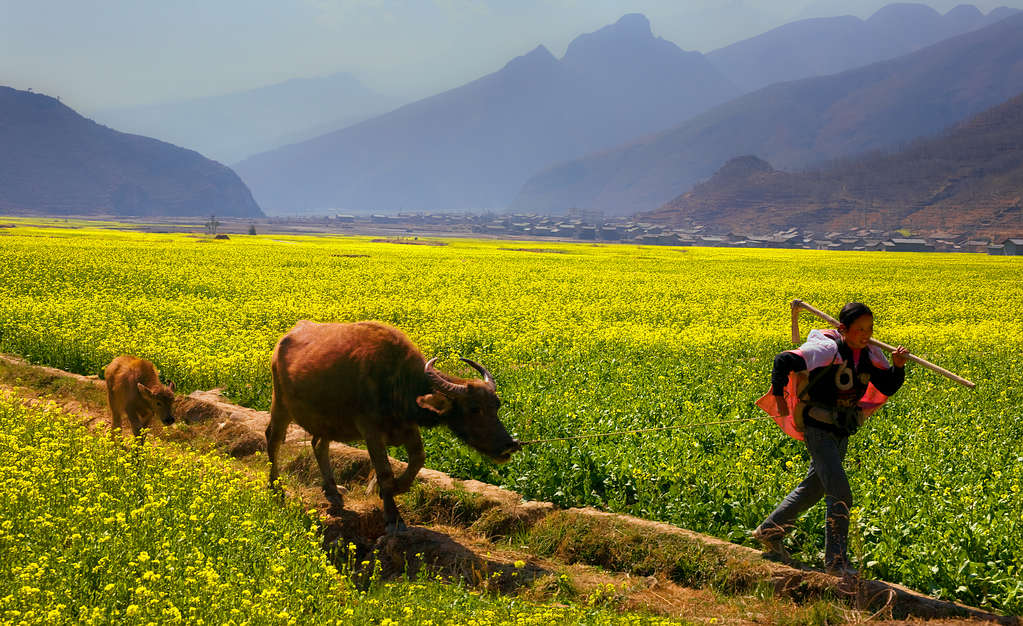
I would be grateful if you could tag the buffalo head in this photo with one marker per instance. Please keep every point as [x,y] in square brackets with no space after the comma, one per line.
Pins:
[159,398]
[469,408]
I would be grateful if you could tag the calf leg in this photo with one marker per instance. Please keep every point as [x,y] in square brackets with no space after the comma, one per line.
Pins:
[137,426]
[115,414]
[321,448]
[275,431]
[385,483]
[115,424]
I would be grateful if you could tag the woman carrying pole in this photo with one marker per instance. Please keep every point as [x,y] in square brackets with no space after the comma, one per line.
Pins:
[822,393]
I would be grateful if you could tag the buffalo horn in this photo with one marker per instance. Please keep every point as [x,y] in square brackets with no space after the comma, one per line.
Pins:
[487,378]
[442,384]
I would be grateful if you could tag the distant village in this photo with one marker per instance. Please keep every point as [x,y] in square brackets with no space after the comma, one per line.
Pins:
[593,226]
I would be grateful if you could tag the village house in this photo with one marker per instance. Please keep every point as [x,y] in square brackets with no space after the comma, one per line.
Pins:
[974,245]
[1013,246]
[910,245]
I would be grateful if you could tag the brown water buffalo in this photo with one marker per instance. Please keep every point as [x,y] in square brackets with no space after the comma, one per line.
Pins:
[366,381]
[134,391]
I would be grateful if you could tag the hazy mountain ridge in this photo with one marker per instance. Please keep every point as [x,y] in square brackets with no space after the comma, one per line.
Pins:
[822,46]
[472,147]
[236,125]
[475,146]
[793,125]
[317,173]
[55,161]
[968,179]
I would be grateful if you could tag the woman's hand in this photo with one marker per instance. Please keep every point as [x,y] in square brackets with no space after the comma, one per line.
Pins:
[781,405]
[900,356]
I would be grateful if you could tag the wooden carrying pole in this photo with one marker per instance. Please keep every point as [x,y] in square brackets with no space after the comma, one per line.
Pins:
[799,304]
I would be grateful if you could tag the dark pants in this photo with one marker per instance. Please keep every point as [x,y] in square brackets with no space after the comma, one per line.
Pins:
[826,479]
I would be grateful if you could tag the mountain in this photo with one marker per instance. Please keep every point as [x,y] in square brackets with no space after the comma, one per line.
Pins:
[473,146]
[793,125]
[967,179]
[822,46]
[230,127]
[54,161]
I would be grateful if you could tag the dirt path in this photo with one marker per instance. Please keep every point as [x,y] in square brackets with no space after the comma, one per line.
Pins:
[494,539]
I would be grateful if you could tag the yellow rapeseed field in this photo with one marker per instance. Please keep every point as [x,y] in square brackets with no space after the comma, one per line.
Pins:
[595,338]
[96,533]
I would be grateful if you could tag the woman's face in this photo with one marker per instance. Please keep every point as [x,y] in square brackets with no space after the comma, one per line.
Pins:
[859,332]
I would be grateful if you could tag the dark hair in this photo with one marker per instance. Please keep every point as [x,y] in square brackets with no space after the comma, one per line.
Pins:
[852,312]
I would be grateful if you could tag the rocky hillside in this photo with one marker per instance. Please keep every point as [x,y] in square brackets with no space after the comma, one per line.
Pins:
[968,179]
[828,45]
[797,124]
[54,161]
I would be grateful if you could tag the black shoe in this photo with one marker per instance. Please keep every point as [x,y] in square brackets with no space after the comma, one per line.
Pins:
[771,542]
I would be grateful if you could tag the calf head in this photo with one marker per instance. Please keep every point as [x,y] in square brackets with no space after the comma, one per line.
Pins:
[159,398]
[470,410]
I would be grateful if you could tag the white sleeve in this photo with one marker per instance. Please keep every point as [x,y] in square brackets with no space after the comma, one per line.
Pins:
[819,350]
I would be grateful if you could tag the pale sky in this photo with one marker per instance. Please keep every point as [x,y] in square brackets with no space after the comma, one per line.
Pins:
[97,54]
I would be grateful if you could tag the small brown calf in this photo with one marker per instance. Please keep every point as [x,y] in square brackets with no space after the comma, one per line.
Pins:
[134,391]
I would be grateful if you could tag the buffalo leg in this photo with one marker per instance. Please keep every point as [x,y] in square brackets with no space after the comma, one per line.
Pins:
[416,460]
[321,448]
[385,483]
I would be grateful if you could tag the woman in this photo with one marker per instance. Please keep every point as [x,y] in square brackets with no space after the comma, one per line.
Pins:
[843,376]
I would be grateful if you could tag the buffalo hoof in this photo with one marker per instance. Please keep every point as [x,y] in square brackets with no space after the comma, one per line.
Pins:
[393,528]
[337,505]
